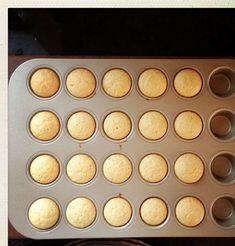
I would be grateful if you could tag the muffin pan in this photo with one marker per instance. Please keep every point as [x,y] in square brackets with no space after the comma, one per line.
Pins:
[215,146]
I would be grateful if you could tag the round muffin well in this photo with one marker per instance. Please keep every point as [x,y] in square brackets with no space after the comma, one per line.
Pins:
[44,213]
[152,83]
[81,83]
[117,211]
[44,125]
[44,82]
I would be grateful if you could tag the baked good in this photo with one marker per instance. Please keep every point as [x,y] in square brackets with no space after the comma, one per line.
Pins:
[153,211]
[81,125]
[81,82]
[44,125]
[117,211]
[81,168]
[44,213]
[190,211]
[44,169]
[117,125]
[44,82]
[152,83]
[189,168]
[153,125]
[81,212]
[153,168]
[117,168]
[188,125]
[116,82]
[188,82]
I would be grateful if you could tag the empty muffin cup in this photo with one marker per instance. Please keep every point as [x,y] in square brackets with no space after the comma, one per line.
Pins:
[222,82]
[222,125]
[223,168]
[223,211]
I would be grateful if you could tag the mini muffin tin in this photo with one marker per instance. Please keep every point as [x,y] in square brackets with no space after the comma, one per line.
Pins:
[215,146]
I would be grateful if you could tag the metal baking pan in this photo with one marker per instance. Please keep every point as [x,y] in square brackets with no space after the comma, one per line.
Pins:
[213,99]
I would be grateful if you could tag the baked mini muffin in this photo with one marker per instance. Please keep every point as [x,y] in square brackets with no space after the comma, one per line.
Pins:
[81,212]
[190,211]
[188,125]
[81,125]
[153,211]
[152,83]
[81,168]
[117,125]
[188,82]
[189,168]
[117,211]
[117,168]
[44,82]
[116,83]
[153,168]
[44,169]
[153,125]
[44,125]
[44,213]
[81,82]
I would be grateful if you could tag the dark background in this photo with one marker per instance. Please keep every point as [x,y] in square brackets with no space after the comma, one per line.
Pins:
[123,32]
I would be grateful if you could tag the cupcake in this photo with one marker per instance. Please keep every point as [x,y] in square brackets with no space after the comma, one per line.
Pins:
[44,213]
[153,125]
[44,82]
[44,125]
[153,211]
[81,125]
[153,168]
[152,83]
[188,82]
[81,83]
[188,125]
[81,212]
[117,168]
[189,168]
[116,83]
[81,168]
[190,211]
[117,125]
[117,211]
[44,169]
